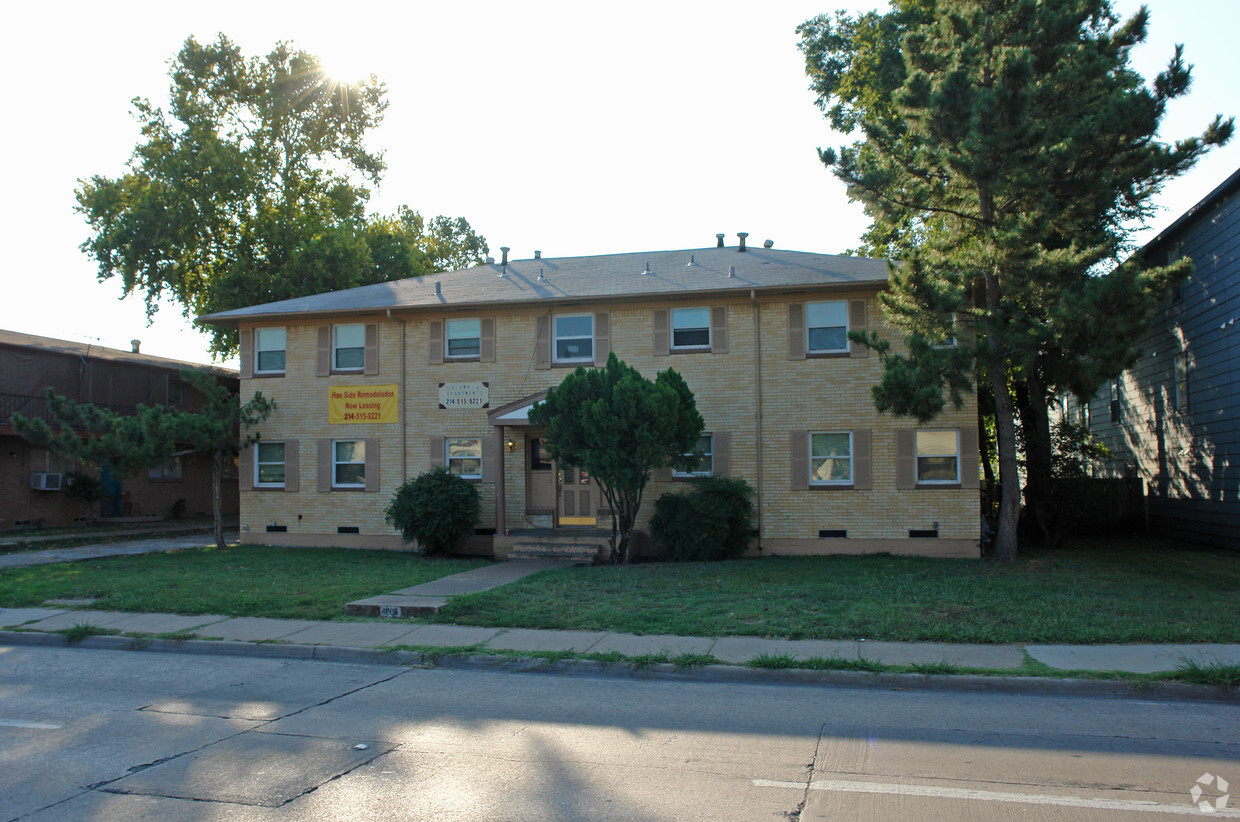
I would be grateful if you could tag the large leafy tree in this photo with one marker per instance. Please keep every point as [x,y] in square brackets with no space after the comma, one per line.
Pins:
[252,187]
[620,426]
[125,444]
[1006,150]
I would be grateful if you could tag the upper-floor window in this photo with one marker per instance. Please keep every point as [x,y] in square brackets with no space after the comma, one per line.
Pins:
[690,328]
[938,457]
[573,338]
[464,457]
[349,463]
[349,347]
[462,338]
[1114,400]
[705,464]
[830,458]
[269,464]
[826,327]
[1181,381]
[269,350]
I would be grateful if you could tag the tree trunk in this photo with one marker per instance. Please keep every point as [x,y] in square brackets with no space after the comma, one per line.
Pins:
[1040,489]
[217,468]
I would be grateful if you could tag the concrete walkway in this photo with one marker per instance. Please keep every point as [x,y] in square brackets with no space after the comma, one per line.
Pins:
[392,633]
[111,549]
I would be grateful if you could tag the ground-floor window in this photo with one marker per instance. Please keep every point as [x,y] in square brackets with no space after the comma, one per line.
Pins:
[349,464]
[464,457]
[269,464]
[830,458]
[705,465]
[938,457]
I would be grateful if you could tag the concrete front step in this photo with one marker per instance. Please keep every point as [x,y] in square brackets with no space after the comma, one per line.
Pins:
[396,606]
[573,551]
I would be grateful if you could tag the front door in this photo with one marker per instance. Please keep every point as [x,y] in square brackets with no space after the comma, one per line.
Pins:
[578,496]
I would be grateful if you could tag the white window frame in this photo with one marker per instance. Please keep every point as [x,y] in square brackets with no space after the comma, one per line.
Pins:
[259,462]
[708,456]
[950,341]
[259,349]
[167,471]
[449,459]
[813,456]
[337,348]
[678,326]
[448,337]
[918,456]
[556,338]
[809,327]
[337,463]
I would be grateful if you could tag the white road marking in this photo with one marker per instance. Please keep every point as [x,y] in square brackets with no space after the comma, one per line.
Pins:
[844,785]
[21,723]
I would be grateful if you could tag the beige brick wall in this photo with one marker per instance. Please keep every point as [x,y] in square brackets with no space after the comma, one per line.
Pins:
[812,394]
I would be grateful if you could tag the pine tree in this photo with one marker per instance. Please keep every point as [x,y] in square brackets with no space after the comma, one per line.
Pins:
[1007,147]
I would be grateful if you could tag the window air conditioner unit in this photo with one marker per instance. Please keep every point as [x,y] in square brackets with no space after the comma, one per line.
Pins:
[46,482]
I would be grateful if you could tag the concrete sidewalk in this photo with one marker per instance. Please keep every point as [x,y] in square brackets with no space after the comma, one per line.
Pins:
[387,635]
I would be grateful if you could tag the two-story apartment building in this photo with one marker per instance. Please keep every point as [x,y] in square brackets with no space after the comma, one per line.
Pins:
[381,383]
[34,482]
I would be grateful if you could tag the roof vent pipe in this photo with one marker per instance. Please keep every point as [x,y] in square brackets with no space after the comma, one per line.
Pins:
[719,239]
[647,271]
[731,271]
[537,254]
[692,262]
[136,344]
[742,235]
[768,244]
[540,273]
[438,289]
[504,249]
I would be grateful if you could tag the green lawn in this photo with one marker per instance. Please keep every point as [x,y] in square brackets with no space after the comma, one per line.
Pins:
[1131,590]
[249,580]
[1134,590]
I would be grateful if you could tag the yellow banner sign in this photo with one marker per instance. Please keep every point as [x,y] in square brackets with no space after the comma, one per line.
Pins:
[362,403]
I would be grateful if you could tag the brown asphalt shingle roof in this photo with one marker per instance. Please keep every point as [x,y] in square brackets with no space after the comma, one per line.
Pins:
[576,279]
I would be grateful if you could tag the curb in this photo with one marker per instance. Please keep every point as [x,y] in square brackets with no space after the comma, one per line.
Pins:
[964,683]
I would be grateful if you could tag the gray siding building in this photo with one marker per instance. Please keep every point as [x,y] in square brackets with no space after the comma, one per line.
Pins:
[1174,417]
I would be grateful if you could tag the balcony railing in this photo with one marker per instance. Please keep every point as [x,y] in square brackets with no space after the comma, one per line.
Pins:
[33,407]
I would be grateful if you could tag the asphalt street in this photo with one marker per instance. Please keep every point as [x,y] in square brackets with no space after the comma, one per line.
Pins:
[105,735]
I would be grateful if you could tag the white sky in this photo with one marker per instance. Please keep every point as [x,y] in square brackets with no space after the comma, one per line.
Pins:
[569,127]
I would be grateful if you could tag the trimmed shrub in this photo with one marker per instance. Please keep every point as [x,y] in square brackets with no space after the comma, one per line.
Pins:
[713,520]
[436,509]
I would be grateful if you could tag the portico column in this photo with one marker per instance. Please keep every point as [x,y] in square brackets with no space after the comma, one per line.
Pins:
[500,525]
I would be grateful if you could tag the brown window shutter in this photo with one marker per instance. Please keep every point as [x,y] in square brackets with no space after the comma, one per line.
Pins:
[325,466]
[371,361]
[659,334]
[719,329]
[437,453]
[246,343]
[372,465]
[861,460]
[721,445]
[245,468]
[490,457]
[292,467]
[542,343]
[969,459]
[486,339]
[796,331]
[434,345]
[856,322]
[324,365]
[602,338]
[798,449]
[906,460]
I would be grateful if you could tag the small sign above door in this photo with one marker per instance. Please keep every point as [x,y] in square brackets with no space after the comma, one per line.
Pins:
[464,395]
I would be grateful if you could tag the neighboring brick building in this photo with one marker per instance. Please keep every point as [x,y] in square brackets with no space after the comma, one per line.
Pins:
[32,480]
[379,383]
[1173,419]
